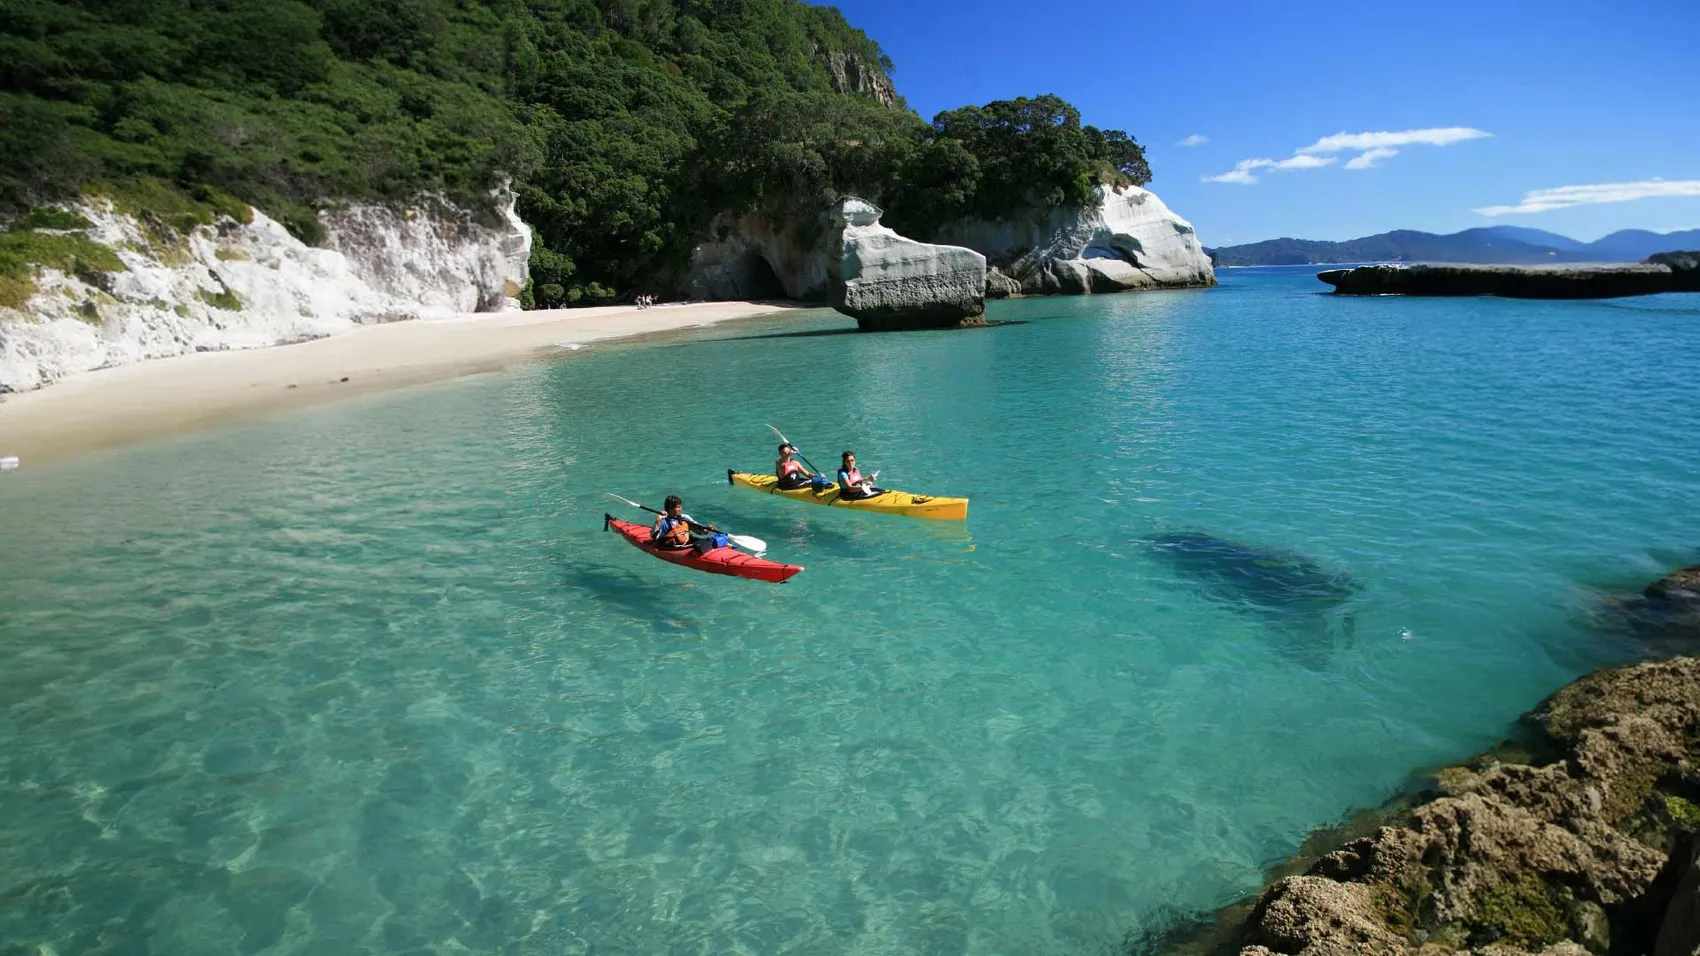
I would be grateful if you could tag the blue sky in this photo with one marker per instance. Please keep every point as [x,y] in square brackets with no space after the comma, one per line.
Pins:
[1572,94]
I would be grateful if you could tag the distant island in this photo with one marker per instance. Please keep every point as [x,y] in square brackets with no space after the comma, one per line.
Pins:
[1490,245]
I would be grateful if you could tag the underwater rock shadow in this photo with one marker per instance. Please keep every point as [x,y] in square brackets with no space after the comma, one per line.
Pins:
[625,591]
[1662,621]
[1291,594]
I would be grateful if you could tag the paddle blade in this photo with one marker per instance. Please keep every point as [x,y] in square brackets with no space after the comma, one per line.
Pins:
[625,500]
[753,545]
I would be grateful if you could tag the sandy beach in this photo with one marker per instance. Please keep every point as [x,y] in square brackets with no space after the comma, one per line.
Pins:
[131,403]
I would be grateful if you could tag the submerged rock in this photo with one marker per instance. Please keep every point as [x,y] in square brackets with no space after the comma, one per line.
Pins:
[1672,272]
[887,282]
[1290,592]
[1128,239]
[1570,854]
[1664,619]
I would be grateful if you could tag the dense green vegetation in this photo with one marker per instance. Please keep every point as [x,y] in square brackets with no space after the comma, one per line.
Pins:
[625,125]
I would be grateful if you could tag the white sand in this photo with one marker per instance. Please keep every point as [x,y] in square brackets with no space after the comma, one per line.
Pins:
[131,403]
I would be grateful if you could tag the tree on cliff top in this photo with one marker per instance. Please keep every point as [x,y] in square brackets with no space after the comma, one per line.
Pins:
[1015,155]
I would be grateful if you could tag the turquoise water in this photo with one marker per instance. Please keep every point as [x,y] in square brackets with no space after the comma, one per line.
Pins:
[372,679]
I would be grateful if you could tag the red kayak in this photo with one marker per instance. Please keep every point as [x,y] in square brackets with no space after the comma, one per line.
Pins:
[728,561]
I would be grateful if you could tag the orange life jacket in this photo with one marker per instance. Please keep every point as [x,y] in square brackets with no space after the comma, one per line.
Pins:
[786,468]
[676,534]
[852,478]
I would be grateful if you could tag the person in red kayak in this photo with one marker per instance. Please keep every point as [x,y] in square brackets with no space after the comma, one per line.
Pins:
[790,472]
[673,529]
[851,483]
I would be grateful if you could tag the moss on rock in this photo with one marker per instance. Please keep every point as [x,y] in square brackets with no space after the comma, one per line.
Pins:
[222,299]
[22,251]
[1523,911]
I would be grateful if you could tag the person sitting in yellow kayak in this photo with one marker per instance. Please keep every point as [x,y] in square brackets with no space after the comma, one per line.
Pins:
[851,483]
[673,529]
[791,473]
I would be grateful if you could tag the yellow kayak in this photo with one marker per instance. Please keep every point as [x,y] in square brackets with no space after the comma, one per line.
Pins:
[888,502]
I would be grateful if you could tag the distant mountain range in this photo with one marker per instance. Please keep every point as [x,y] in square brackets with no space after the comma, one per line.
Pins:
[1499,245]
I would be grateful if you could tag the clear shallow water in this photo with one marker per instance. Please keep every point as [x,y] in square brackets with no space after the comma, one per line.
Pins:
[372,679]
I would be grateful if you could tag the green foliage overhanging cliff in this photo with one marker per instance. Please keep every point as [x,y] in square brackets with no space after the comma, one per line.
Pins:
[625,125]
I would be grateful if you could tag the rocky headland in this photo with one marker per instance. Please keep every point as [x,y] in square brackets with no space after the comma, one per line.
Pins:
[1580,835]
[1126,239]
[1666,272]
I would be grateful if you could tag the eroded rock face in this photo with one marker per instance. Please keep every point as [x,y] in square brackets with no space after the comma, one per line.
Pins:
[1128,240]
[755,256]
[1566,857]
[246,285]
[887,282]
[435,256]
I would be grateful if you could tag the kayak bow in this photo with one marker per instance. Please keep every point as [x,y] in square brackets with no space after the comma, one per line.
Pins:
[728,561]
[887,502]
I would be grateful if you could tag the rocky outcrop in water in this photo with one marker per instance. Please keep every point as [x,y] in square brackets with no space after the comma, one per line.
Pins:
[1581,837]
[1128,240]
[887,282]
[234,285]
[1668,272]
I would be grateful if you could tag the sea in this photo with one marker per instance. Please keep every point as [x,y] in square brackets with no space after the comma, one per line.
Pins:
[372,678]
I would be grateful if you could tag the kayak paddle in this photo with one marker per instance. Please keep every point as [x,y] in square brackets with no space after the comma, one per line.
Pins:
[787,441]
[753,545]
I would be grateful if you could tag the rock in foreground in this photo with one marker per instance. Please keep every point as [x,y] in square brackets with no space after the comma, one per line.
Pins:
[1584,843]
[887,282]
[1671,272]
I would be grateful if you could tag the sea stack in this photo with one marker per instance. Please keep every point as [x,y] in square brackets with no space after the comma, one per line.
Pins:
[888,282]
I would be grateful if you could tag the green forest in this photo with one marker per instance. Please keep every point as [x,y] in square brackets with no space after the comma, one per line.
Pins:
[625,126]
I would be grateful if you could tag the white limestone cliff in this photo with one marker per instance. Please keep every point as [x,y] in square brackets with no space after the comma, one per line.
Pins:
[238,285]
[1128,240]
[886,281]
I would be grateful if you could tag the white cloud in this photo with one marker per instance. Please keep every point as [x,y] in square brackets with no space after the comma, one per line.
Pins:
[1372,148]
[1241,173]
[1305,162]
[1442,136]
[1370,157]
[1563,197]
[1196,139]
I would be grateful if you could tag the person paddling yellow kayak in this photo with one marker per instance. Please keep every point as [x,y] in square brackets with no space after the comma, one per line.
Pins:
[791,473]
[853,490]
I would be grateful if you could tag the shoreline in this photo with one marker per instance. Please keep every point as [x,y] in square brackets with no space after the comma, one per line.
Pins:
[111,407]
